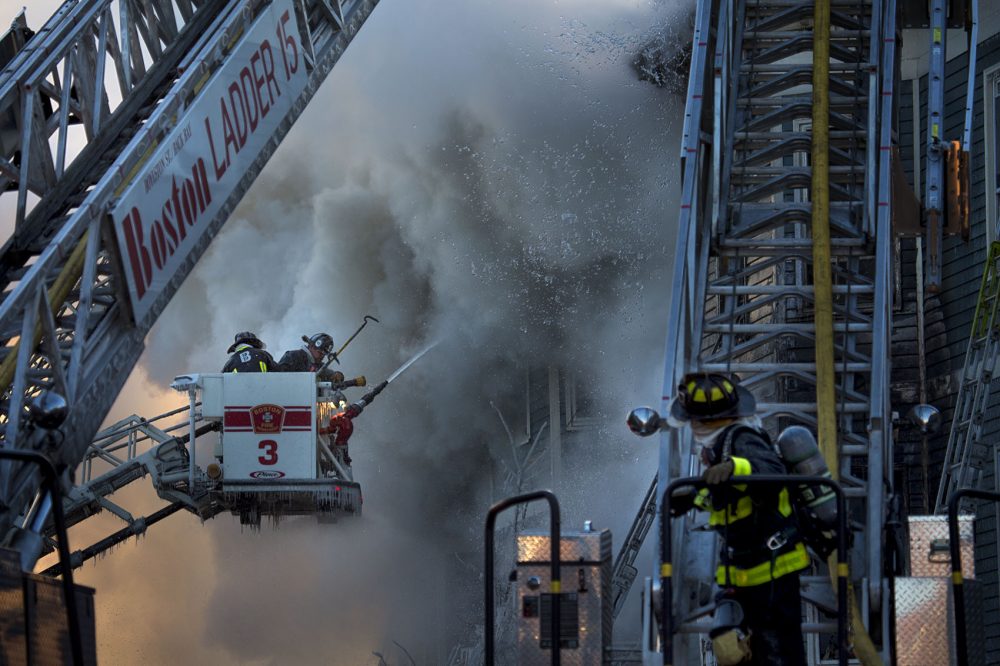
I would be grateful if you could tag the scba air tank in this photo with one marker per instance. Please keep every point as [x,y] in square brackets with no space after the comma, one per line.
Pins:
[802,456]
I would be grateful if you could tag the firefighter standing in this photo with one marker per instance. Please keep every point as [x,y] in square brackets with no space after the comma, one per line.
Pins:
[341,426]
[762,552]
[248,355]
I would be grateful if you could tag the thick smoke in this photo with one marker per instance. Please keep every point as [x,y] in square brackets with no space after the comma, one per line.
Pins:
[486,175]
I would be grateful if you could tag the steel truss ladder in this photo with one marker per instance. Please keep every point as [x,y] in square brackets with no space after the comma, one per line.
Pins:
[126,452]
[967,455]
[126,71]
[744,298]
[624,571]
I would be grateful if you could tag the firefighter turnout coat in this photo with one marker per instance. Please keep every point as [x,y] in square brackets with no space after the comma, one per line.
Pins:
[760,540]
[249,359]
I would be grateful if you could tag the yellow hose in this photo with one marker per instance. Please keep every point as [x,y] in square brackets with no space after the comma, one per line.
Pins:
[58,293]
[826,397]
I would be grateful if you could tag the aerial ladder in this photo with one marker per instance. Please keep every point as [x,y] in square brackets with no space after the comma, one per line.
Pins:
[177,105]
[967,454]
[127,451]
[782,266]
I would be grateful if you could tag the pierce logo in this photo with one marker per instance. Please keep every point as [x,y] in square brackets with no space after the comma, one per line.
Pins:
[267,419]
[266,474]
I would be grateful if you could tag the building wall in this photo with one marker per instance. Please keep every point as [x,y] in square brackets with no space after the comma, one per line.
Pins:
[949,313]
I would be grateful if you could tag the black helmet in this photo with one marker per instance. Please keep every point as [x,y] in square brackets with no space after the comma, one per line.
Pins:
[246,338]
[703,396]
[320,341]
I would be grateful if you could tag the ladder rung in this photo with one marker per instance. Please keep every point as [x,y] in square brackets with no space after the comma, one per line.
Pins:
[772,328]
[787,4]
[765,245]
[779,68]
[784,136]
[782,290]
[807,628]
[791,407]
[752,173]
[778,367]
[788,100]
[792,34]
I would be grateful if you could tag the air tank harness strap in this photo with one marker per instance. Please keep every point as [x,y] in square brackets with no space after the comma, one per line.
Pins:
[773,543]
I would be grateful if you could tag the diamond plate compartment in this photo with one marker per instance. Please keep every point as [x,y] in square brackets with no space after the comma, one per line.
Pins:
[533,546]
[929,554]
[923,622]
[925,625]
[586,573]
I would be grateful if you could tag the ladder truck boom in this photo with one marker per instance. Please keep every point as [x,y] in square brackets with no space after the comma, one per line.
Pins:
[207,89]
[131,450]
[785,176]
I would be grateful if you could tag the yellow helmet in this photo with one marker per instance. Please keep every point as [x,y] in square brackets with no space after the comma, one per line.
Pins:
[704,396]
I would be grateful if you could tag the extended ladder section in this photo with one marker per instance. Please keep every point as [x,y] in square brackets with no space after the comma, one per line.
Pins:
[767,207]
[967,455]
[624,572]
[129,451]
[178,105]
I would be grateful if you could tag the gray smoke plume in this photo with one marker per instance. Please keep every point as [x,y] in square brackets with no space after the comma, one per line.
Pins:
[491,175]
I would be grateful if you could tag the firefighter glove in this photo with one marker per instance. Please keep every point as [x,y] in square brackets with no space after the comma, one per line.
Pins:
[720,473]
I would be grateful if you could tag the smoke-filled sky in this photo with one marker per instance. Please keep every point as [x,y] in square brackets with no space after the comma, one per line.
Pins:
[490,175]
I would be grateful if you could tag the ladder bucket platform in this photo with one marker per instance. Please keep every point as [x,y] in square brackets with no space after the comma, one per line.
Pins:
[325,498]
[271,459]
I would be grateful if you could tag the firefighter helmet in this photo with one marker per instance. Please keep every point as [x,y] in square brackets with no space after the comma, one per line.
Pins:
[703,396]
[320,341]
[246,338]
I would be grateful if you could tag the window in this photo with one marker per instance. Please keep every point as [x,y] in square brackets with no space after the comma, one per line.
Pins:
[582,411]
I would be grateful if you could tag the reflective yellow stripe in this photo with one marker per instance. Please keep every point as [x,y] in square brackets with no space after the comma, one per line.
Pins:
[744,507]
[717,394]
[702,500]
[786,563]
[666,570]
[784,503]
[235,370]
[956,577]
[741,467]
[700,396]
[556,587]
[842,570]
[263,368]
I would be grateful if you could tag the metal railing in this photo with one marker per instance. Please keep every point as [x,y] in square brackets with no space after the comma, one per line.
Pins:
[555,587]
[954,546]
